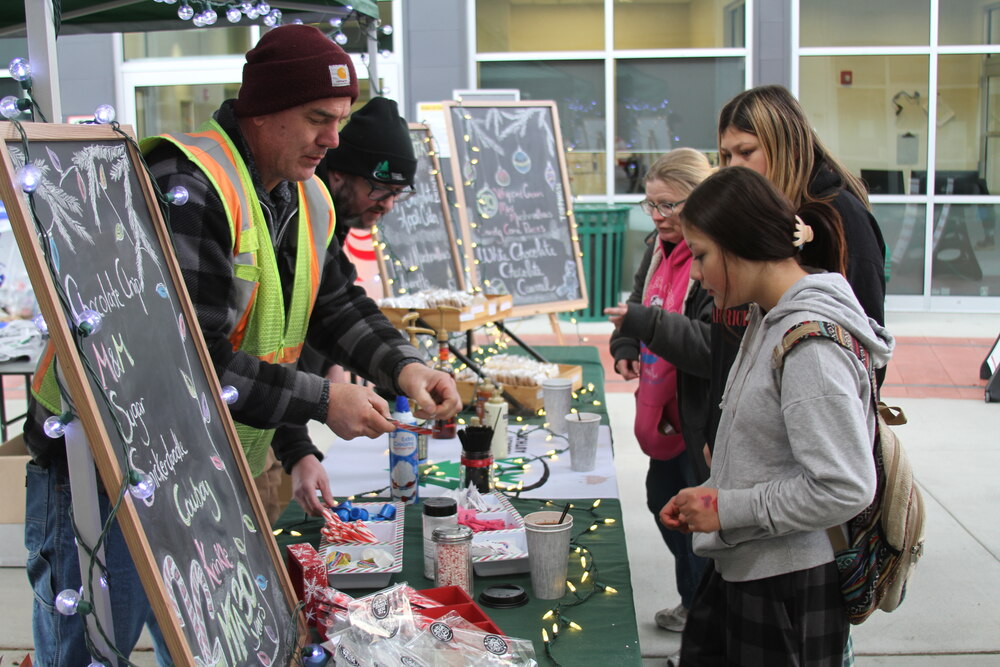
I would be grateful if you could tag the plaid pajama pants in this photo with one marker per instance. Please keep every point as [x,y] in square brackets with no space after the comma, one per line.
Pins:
[794,619]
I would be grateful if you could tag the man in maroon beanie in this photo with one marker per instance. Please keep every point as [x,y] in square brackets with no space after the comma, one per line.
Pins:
[297,88]
[256,246]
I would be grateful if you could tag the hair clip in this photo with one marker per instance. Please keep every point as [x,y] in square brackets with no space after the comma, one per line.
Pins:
[803,233]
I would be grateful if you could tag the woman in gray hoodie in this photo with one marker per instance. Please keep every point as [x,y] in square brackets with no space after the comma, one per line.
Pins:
[793,454]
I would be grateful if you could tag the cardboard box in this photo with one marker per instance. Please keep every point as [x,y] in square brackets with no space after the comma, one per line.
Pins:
[528,396]
[497,307]
[13,457]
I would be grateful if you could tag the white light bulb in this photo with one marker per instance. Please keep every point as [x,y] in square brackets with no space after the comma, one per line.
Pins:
[178,195]
[198,21]
[67,602]
[263,8]
[385,53]
[246,6]
[89,322]
[29,177]
[386,29]
[54,427]
[230,394]
[209,16]
[41,324]
[340,38]
[20,69]
[185,12]
[104,114]
[336,23]
[233,15]
[269,20]
[169,2]
[9,107]
[145,487]
[349,8]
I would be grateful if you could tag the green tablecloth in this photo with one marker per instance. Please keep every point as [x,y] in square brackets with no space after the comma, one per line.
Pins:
[607,619]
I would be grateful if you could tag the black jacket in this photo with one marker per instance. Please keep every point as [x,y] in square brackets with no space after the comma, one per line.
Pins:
[683,340]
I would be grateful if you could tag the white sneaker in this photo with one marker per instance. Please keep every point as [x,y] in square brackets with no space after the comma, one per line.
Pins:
[672,619]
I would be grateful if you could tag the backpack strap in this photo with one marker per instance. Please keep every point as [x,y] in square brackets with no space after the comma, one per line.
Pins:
[823,329]
[892,416]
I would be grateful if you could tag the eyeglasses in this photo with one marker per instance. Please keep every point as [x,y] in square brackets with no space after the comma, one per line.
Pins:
[666,208]
[380,192]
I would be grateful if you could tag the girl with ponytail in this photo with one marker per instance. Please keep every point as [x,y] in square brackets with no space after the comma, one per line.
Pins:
[793,450]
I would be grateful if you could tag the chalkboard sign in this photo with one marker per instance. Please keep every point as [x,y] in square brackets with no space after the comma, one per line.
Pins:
[518,230]
[420,250]
[149,395]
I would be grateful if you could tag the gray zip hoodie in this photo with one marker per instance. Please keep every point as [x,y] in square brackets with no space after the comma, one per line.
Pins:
[794,450]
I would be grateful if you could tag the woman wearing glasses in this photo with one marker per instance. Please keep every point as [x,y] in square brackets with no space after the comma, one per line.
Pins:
[662,338]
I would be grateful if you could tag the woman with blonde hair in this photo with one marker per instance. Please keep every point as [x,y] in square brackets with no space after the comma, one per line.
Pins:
[662,338]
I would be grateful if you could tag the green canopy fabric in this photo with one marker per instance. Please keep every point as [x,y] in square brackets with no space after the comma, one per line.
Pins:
[92,16]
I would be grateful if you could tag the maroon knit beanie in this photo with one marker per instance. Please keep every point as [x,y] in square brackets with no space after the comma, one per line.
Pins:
[292,65]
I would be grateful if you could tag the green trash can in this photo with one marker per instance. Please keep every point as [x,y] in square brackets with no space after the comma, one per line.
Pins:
[601,230]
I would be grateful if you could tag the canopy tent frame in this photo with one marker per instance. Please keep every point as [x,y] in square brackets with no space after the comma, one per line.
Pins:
[39,19]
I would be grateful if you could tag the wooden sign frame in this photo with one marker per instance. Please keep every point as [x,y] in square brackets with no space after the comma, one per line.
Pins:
[459,138]
[105,441]
[423,131]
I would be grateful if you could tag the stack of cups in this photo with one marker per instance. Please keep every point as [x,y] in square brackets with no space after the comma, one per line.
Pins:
[557,394]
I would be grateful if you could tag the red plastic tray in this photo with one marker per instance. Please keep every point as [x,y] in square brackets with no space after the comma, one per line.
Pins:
[454,598]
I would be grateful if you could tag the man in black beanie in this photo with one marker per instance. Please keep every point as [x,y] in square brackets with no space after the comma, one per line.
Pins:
[372,168]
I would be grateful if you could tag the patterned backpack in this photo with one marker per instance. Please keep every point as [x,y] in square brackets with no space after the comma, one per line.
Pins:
[884,542]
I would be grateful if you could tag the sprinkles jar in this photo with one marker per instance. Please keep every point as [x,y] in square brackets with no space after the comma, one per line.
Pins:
[453,557]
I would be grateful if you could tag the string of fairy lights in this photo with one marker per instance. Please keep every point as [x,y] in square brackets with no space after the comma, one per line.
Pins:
[141,485]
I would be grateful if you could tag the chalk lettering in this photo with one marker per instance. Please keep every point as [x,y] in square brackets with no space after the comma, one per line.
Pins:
[216,564]
[242,597]
[163,468]
[133,416]
[200,495]
[112,360]
[131,286]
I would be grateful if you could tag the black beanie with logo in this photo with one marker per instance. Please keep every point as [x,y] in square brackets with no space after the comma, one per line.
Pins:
[375,144]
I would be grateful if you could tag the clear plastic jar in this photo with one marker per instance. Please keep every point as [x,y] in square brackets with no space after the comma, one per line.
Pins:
[453,557]
[439,512]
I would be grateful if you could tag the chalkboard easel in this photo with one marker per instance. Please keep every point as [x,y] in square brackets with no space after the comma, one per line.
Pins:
[144,390]
[415,243]
[512,187]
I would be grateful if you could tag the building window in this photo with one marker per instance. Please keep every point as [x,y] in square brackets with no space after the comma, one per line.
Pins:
[660,105]
[920,123]
[187,43]
[577,87]
[509,26]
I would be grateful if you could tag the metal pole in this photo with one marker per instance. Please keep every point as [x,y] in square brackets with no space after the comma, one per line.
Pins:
[87,517]
[370,27]
[40,26]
